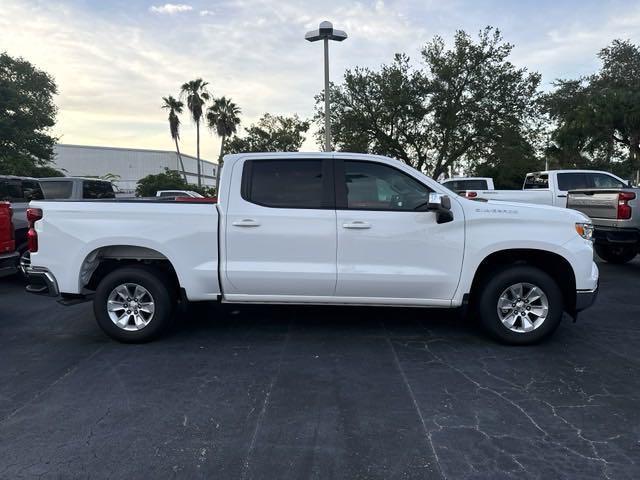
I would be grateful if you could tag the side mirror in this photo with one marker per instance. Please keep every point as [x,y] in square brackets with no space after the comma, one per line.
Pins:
[441,204]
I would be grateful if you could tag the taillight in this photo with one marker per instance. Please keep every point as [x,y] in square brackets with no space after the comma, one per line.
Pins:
[624,209]
[33,215]
[12,232]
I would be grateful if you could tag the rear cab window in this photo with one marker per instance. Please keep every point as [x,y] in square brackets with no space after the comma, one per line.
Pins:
[460,185]
[291,183]
[57,189]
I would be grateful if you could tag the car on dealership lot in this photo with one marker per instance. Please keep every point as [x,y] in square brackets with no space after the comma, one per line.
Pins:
[178,193]
[462,184]
[76,188]
[616,218]
[8,254]
[551,186]
[19,191]
[316,228]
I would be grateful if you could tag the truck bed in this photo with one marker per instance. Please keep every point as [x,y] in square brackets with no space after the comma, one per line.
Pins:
[183,232]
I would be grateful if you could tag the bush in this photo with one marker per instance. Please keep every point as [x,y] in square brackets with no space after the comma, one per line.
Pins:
[169,180]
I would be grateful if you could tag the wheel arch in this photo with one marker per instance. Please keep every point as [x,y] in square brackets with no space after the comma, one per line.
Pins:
[554,264]
[104,260]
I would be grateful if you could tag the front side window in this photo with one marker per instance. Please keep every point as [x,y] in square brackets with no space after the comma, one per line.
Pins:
[374,186]
[601,180]
[55,190]
[295,183]
[94,189]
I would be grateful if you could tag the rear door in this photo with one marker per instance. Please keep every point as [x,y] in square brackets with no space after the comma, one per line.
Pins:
[387,251]
[280,228]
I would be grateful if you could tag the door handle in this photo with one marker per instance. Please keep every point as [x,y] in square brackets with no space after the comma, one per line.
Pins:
[562,196]
[247,222]
[357,225]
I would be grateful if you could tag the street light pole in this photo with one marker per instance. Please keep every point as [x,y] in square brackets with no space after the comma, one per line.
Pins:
[327,103]
[326,32]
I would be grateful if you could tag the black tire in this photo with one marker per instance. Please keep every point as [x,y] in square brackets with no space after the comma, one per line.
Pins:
[497,282]
[159,286]
[617,255]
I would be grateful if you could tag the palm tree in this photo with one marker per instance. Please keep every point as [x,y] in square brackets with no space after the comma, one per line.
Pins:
[222,117]
[175,108]
[197,95]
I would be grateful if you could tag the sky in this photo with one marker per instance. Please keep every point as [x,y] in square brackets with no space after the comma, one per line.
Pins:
[113,61]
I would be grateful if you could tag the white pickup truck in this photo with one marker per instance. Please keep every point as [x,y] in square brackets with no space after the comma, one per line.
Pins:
[551,187]
[316,228]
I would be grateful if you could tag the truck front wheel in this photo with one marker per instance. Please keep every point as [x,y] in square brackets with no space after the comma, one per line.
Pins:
[134,304]
[520,305]
[617,255]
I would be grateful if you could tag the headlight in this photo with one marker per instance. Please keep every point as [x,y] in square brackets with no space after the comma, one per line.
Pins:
[585,230]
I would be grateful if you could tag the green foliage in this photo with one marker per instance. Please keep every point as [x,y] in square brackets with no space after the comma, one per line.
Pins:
[453,112]
[197,95]
[223,117]
[175,108]
[169,180]
[27,112]
[272,133]
[597,118]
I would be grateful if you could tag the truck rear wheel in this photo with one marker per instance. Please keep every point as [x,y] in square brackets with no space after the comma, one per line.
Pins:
[520,305]
[134,304]
[618,255]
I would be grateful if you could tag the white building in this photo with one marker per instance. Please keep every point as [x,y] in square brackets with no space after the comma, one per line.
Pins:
[128,164]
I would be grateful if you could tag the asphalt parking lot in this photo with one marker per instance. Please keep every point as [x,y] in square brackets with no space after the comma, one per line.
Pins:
[288,393]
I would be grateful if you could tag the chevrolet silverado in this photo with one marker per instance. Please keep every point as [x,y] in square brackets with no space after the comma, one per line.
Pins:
[316,228]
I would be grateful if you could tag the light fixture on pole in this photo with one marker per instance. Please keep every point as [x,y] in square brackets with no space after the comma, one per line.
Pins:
[326,32]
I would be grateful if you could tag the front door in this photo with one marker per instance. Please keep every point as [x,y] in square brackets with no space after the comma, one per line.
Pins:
[386,249]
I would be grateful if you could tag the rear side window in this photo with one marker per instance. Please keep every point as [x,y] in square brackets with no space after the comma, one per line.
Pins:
[94,189]
[286,183]
[536,181]
[55,190]
[11,190]
[573,181]
[458,185]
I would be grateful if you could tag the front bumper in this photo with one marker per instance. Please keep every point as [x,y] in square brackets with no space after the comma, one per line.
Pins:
[41,280]
[616,236]
[9,263]
[586,298]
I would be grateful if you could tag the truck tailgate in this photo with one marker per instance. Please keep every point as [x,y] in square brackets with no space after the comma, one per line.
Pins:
[595,203]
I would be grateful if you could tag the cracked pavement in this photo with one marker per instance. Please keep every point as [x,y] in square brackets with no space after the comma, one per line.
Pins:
[320,392]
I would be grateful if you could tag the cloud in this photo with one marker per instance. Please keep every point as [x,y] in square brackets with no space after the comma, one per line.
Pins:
[170,8]
[113,66]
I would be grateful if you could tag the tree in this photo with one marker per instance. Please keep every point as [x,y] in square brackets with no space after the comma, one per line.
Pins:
[272,133]
[223,118]
[175,108]
[597,117]
[197,95]
[27,112]
[168,180]
[451,113]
